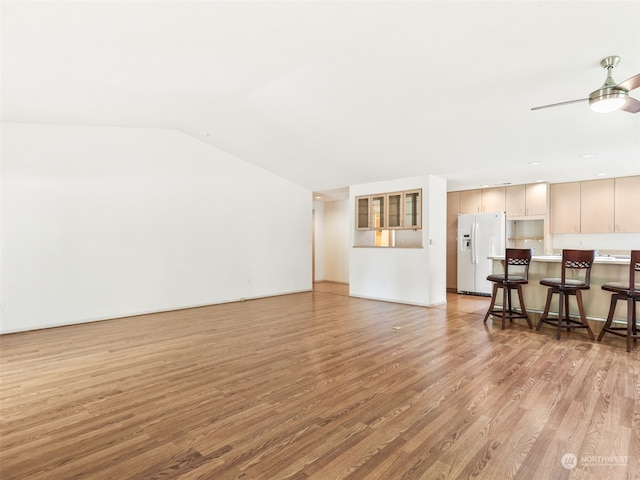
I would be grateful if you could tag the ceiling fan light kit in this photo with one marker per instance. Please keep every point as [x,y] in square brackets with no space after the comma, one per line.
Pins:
[607,100]
[610,96]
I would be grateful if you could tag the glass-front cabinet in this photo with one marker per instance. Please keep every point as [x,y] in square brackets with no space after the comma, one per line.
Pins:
[394,201]
[362,213]
[378,212]
[412,209]
[390,211]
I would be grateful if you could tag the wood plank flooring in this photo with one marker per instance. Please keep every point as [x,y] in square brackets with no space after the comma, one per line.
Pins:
[317,385]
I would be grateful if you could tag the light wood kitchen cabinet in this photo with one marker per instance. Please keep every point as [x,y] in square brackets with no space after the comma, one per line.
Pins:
[470,201]
[482,200]
[394,206]
[371,212]
[597,207]
[627,204]
[493,199]
[526,200]
[565,208]
[362,213]
[536,199]
[453,209]
[389,211]
[515,199]
[378,215]
[452,262]
[412,209]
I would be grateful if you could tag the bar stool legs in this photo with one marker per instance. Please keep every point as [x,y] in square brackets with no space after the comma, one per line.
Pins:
[630,331]
[507,311]
[574,260]
[564,320]
[517,260]
[625,291]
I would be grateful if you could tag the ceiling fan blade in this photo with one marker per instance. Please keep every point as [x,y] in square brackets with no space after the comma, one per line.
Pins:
[632,105]
[630,83]
[559,104]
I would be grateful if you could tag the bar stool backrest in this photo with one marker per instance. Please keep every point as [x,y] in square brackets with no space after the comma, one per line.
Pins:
[634,268]
[518,257]
[578,260]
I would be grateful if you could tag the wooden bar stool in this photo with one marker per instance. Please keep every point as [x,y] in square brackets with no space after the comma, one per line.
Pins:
[580,263]
[629,292]
[517,260]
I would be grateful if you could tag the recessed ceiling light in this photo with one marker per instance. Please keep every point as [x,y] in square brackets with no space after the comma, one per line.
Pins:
[588,155]
[602,175]
[539,181]
[535,163]
[484,186]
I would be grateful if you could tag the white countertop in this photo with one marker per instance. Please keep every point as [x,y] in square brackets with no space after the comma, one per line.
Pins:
[607,260]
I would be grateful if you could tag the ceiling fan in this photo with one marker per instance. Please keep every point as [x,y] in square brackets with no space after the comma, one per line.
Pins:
[609,97]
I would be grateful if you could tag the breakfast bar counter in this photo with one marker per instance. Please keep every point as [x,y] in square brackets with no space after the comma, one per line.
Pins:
[607,268]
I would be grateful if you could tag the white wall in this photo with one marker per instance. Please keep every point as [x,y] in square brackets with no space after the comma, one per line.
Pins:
[406,275]
[332,241]
[605,243]
[107,222]
[437,220]
[336,241]
[318,241]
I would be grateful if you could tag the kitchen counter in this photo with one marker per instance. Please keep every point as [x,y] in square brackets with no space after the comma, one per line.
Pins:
[610,268]
[602,259]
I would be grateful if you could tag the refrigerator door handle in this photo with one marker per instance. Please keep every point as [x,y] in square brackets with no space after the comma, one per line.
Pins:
[474,243]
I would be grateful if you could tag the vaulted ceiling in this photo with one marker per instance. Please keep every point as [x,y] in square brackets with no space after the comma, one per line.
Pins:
[331,93]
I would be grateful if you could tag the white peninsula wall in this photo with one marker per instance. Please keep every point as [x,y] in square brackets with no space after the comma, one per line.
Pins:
[414,273]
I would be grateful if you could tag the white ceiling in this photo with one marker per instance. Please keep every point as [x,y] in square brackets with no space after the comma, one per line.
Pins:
[331,93]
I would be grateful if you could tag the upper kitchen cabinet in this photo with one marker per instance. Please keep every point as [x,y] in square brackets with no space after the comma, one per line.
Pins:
[394,201]
[565,207]
[516,201]
[362,213]
[482,200]
[627,204]
[390,211]
[370,212]
[493,199]
[470,201]
[526,200]
[412,209]
[597,206]
[536,199]
[377,214]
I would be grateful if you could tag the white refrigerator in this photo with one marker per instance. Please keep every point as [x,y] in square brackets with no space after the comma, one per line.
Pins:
[480,235]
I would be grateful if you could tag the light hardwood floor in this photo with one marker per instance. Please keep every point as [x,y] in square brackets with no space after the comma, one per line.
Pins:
[317,385]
